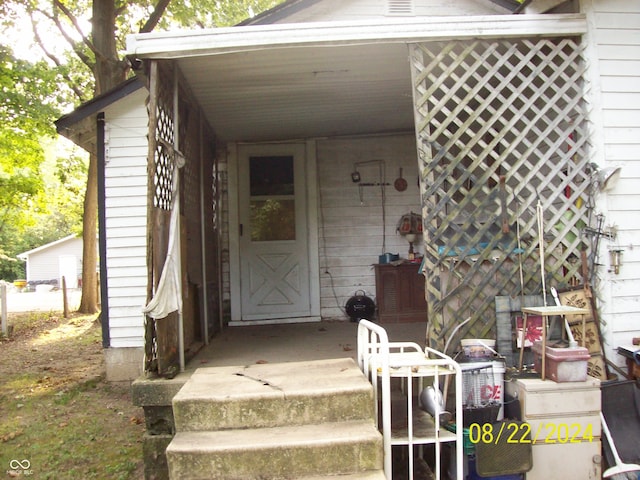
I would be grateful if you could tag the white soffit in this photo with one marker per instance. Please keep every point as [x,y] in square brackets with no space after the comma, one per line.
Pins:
[279,82]
[304,92]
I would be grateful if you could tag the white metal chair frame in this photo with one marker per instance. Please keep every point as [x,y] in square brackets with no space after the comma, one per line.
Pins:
[377,357]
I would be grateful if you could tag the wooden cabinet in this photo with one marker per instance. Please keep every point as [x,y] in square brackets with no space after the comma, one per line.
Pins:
[400,295]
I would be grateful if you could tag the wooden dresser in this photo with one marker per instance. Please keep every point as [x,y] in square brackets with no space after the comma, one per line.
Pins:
[400,295]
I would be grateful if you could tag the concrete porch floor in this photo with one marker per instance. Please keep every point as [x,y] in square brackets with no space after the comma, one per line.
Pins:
[257,345]
[262,344]
[246,345]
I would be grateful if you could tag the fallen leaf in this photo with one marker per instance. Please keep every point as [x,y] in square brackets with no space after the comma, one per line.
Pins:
[261,362]
[10,436]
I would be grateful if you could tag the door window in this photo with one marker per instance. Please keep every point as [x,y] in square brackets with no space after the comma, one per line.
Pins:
[272,201]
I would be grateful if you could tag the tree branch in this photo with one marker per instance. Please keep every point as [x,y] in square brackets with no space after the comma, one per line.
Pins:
[76,90]
[155,16]
[76,25]
[72,43]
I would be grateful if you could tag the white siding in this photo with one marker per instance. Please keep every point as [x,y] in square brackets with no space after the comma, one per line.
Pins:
[126,218]
[350,225]
[356,10]
[615,62]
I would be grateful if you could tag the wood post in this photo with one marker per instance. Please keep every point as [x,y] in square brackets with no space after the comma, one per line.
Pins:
[65,302]
[3,309]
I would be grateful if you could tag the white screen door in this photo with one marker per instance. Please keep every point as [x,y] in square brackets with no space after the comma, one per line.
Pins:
[274,253]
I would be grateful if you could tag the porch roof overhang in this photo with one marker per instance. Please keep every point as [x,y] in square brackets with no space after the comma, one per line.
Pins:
[286,81]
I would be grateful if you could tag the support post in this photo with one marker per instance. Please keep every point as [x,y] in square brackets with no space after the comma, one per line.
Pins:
[3,308]
[65,301]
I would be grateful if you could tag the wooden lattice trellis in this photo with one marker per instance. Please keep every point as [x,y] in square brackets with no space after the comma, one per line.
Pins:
[501,130]
[179,135]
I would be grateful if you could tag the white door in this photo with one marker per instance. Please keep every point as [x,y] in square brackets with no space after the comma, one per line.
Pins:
[68,268]
[274,244]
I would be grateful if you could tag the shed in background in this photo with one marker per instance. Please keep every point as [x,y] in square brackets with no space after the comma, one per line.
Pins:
[48,263]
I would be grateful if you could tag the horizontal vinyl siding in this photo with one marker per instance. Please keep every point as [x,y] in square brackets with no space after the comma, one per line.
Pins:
[126,219]
[617,38]
[351,233]
[357,10]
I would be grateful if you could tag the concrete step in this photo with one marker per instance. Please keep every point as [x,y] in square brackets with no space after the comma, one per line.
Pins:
[372,475]
[268,395]
[297,451]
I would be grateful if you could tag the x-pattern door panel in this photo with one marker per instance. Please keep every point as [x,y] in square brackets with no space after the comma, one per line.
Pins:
[273,242]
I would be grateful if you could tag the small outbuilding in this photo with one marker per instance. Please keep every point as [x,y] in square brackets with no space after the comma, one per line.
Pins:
[48,263]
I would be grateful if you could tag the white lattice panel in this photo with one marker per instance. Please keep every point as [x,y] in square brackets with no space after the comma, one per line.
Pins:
[501,128]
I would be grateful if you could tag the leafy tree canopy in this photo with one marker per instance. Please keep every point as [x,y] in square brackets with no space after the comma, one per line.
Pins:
[65,32]
[81,43]
[26,109]
[32,96]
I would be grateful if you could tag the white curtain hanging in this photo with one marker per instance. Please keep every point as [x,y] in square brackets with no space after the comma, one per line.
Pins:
[168,295]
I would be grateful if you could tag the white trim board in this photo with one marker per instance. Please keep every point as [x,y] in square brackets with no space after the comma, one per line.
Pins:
[167,45]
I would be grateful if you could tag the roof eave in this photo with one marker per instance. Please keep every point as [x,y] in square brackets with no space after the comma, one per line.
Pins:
[79,125]
[168,45]
[25,255]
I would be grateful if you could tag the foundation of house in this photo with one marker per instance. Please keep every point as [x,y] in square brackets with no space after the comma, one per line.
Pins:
[245,346]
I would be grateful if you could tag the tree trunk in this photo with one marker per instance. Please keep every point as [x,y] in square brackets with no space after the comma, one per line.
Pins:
[89,299]
[109,71]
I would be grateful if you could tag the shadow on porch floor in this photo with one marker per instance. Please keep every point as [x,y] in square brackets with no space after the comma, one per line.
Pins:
[246,345]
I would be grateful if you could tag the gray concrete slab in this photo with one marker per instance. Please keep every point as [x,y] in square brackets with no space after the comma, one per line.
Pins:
[274,394]
[266,344]
[246,345]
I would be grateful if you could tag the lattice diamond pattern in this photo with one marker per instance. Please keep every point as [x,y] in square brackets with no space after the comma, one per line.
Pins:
[164,132]
[501,131]
[194,146]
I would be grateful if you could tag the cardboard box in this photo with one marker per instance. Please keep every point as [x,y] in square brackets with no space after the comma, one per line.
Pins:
[562,364]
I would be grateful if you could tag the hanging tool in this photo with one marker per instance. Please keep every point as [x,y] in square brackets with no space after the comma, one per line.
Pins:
[540,219]
[572,341]
[503,204]
[400,184]
[620,466]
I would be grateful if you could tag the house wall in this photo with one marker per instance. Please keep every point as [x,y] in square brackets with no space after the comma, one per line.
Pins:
[44,265]
[614,44]
[126,222]
[351,218]
[355,10]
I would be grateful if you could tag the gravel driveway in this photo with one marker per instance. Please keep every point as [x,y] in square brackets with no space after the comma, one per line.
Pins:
[41,301]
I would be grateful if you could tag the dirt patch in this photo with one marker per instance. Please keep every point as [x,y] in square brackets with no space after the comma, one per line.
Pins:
[59,418]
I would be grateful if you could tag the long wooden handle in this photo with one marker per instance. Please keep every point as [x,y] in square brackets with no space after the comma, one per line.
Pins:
[503,201]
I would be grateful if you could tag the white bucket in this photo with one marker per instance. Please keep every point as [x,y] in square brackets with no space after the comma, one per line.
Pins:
[478,347]
[487,385]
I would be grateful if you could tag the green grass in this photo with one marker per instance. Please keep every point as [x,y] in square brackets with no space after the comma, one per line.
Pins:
[58,413]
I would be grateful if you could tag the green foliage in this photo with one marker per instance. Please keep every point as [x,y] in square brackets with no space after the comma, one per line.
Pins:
[54,213]
[209,14]
[33,194]
[25,115]
[41,192]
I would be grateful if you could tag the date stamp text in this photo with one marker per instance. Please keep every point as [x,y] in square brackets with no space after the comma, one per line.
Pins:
[545,432]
